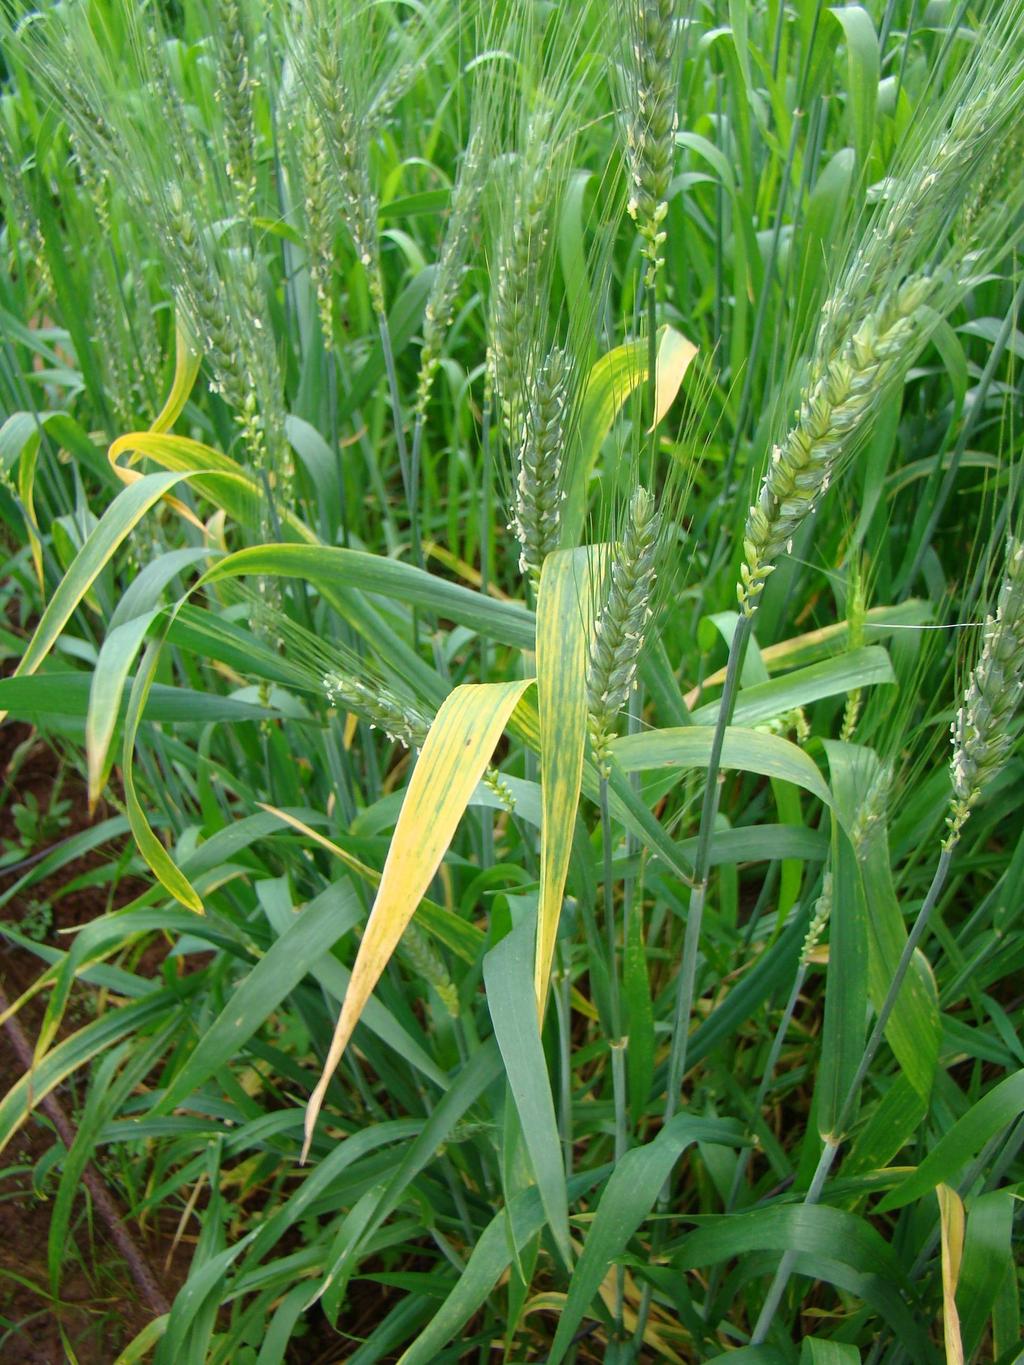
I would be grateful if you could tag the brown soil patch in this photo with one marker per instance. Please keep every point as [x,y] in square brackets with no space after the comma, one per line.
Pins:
[98,1309]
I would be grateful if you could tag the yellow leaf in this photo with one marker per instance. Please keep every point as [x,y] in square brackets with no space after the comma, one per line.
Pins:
[213,474]
[186,368]
[457,749]
[26,491]
[951,1218]
[565,606]
[368,874]
[675,355]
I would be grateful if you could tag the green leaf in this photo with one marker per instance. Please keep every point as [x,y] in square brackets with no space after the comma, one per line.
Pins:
[987,1259]
[610,382]
[748,750]
[892,1122]
[507,979]
[321,464]
[832,1245]
[914,1030]
[360,1225]
[513,1226]
[773,970]
[106,689]
[750,1356]
[564,612]
[146,590]
[316,928]
[990,1115]
[67,694]
[844,673]
[120,518]
[403,324]
[863,63]
[105,1096]
[156,856]
[842,1041]
[627,1199]
[636,990]
[332,568]
[819,1351]
[79,1050]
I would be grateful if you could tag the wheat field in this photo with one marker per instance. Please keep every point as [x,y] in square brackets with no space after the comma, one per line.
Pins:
[511,519]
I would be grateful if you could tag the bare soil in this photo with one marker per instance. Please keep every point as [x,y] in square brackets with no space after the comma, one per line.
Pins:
[97,1311]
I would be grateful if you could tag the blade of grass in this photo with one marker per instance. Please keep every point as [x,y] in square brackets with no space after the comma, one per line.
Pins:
[507,978]
[458,748]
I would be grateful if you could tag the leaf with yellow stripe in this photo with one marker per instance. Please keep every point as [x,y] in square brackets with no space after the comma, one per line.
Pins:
[676,353]
[611,381]
[159,860]
[26,491]
[186,368]
[217,477]
[565,607]
[455,754]
[952,1221]
[465,940]
[120,518]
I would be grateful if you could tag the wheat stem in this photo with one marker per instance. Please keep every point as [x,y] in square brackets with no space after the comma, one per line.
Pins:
[834,1141]
[982,740]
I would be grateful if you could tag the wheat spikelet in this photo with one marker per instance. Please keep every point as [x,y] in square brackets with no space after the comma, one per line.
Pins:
[871,811]
[652,123]
[118,379]
[832,414]
[619,630]
[263,407]
[231,325]
[234,94]
[451,262]
[538,493]
[144,327]
[206,301]
[94,177]
[1004,166]
[518,295]
[856,612]
[421,955]
[398,717]
[982,732]
[319,216]
[21,212]
[344,119]
[820,918]
[187,161]
[907,269]
[793,722]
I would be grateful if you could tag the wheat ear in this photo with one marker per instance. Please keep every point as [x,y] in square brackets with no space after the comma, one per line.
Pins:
[538,490]
[451,263]
[234,94]
[518,285]
[835,406]
[982,732]
[652,124]
[619,632]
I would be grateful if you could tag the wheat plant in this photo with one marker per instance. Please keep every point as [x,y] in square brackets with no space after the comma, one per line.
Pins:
[503,510]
